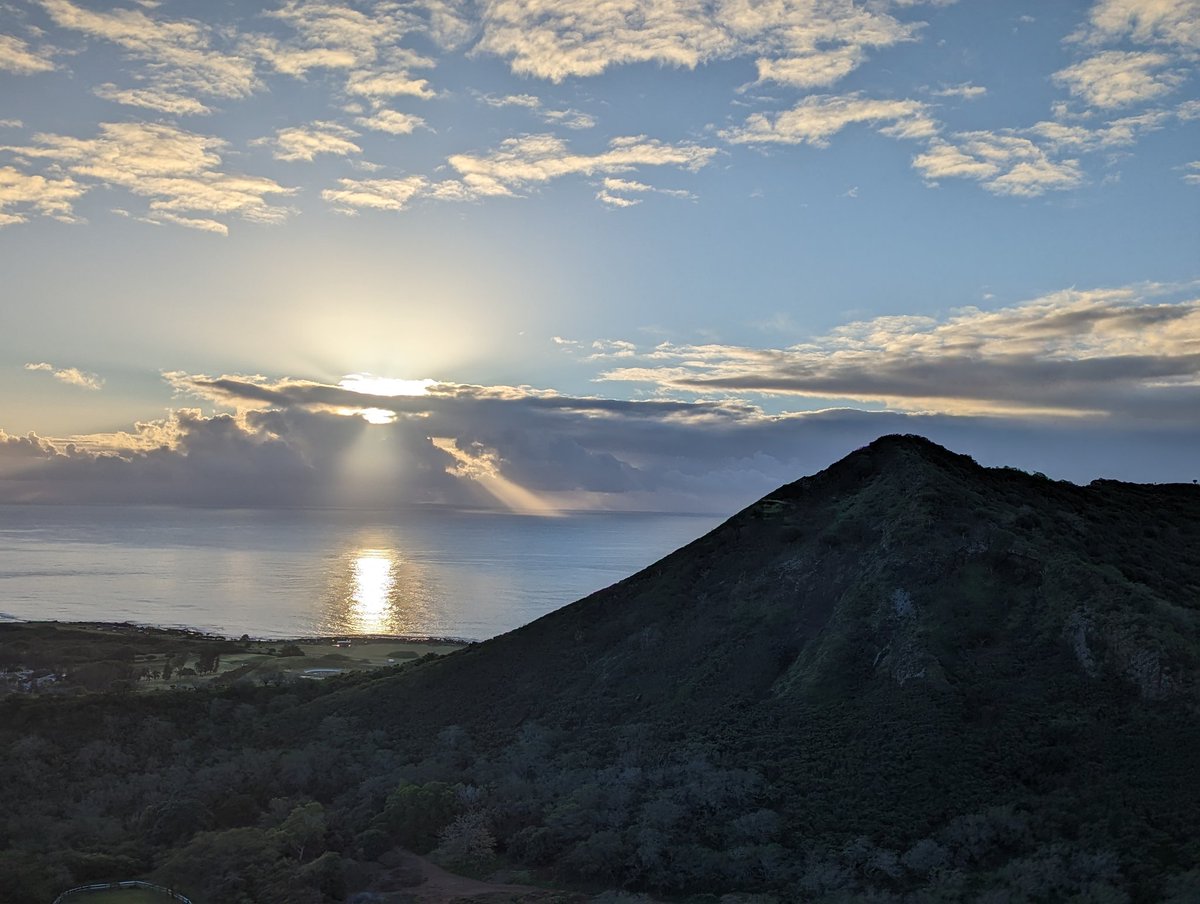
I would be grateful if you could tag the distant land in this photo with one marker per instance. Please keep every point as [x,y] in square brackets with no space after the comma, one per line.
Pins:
[906,678]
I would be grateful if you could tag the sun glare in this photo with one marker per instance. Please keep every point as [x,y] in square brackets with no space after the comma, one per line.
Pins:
[374,578]
[376,415]
[384,386]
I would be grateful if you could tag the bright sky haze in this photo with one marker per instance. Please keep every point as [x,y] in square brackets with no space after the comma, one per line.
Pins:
[552,254]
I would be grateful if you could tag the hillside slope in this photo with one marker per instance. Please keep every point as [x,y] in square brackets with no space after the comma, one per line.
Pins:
[898,641]
[907,678]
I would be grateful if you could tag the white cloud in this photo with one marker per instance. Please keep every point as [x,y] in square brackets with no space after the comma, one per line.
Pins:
[1192,176]
[571,119]
[176,169]
[179,53]
[380,85]
[297,143]
[965,90]
[1005,164]
[518,165]
[818,118]
[374,194]
[528,101]
[22,193]
[18,57]
[522,162]
[1166,22]
[391,121]
[72,376]
[152,99]
[1117,78]
[615,192]
[802,43]
[1109,352]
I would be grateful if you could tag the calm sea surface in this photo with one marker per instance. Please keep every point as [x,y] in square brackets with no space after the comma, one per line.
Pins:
[426,572]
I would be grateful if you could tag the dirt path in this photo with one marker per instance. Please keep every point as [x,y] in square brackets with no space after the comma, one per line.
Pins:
[441,886]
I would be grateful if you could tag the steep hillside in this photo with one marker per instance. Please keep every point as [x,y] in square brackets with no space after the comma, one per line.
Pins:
[906,678]
[892,644]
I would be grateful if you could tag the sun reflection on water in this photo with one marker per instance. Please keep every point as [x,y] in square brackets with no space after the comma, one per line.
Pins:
[374,579]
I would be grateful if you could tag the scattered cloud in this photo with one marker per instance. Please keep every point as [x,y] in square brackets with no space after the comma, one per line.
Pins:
[177,170]
[521,163]
[817,118]
[18,57]
[392,122]
[24,193]
[800,43]
[616,192]
[570,119]
[529,101]
[1005,164]
[303,143]
[1109,353]
[152,99]
[72,376]
[181,56]
[1118,78]
[1192,173]
[1174,23]
[374,194]
[965,91]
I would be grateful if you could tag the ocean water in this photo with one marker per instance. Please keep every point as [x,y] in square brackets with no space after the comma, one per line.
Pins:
[423,572]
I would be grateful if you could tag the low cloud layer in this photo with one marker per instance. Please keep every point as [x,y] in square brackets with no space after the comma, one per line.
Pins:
[1078,384]
[1120,354]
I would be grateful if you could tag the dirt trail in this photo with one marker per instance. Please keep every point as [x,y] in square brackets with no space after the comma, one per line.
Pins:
[441,886]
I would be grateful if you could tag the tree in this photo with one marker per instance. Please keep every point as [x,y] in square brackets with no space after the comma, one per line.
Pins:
[304,829]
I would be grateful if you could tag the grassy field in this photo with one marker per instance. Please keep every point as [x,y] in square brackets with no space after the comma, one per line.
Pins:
[98,657]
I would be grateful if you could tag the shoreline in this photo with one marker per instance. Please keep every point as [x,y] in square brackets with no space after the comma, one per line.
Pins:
[188,631]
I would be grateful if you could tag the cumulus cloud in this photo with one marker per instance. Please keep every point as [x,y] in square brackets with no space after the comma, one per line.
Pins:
[182,56]
[1102,353]
[818,118]
[297,143]
[1005,164]
[374,194]
[18,57]
[1174,23]
[152,99]
[1118,78]
[72,376]
[518,165]
[801,43]
[523,162]
[365,45]
[24,193]
[391,121]
[179,171]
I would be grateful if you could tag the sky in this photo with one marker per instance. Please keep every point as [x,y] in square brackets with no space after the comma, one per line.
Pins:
[546,255]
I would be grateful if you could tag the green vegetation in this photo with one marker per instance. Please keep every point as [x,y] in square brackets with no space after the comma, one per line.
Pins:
[53,658]
[907,678]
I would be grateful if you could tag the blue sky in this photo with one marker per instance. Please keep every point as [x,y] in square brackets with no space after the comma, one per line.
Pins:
[647,254]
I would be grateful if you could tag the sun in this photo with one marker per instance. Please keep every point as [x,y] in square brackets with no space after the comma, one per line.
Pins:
[368,384]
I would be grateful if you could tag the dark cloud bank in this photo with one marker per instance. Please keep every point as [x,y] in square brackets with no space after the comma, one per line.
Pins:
[298,443]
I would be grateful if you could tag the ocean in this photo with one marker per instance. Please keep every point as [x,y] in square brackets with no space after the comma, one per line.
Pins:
[425,572]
